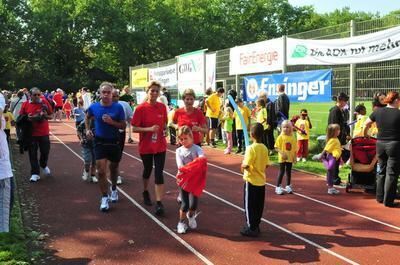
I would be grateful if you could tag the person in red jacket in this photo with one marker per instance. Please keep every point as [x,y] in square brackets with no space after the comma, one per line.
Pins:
[39,112]
[58,104]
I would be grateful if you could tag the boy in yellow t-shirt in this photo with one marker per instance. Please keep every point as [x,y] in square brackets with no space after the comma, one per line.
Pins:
[303,126]
[9,117]
[213,103]
[255,162]
[246,113]
[286,147]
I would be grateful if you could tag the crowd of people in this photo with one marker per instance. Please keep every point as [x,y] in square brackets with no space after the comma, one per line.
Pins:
[104,118]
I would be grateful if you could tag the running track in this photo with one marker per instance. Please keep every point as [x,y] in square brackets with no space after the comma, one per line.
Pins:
[309,226]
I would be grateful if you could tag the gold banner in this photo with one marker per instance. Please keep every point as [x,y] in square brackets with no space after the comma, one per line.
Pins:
[139,77]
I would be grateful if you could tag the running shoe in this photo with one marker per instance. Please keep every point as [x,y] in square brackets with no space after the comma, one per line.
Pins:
[34,178]
[85,176]
[119,180]
[46,171]
[279,190]
[192,220]
[114,195]
[104,207]
[181,228]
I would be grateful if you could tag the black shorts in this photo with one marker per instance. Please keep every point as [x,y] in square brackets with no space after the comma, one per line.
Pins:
[107,149]
[212,123]
[57,108]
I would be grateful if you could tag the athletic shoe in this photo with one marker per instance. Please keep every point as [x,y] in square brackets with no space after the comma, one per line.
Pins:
[181,228]
[213,145]
[146,198]
[104,207]
[246,231]
[304,159]
[179,199]
[130,141]
[298,159]
[34,178]
[159,209]
[333,191]
[279,190]
[238,151]
[94,179]
[114,195]
[46,171]
[119,180]
[192,220]
[85,176]
[289,189]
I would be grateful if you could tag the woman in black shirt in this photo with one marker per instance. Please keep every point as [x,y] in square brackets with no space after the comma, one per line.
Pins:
[388,148]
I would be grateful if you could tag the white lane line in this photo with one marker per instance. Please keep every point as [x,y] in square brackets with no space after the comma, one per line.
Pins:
[169,231]
[320,202]
[304,196]
[268,222]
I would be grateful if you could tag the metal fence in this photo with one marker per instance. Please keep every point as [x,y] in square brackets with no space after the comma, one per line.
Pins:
[370,77]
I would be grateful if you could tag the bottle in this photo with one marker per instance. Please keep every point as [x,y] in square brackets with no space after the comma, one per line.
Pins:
[154,137]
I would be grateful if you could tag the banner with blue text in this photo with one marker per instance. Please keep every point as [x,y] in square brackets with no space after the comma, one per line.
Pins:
[307,86]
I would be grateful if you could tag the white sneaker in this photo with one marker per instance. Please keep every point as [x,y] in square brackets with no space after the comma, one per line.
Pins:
[181,227]
[94,179]
[119,180]
[192,220]
[46,171]
[289,189]
[304,159]
[104,204]
[298,159]
[114,195]
[333,191]
[85,176]
[279,190]
[34,178]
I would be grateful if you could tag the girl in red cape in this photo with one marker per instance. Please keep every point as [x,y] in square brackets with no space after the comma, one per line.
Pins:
[191,178]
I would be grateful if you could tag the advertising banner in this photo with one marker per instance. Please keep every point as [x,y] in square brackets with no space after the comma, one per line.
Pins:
[375,47]
[139,77]
[308,86]
[191,72]
[259,57]
[211,62]
[166,75]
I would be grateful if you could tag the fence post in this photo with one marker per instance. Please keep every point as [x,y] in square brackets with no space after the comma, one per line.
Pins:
[284,66]
[237,84]
[352,78]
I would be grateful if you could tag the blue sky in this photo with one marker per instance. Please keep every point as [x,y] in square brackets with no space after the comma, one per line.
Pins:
[323,6]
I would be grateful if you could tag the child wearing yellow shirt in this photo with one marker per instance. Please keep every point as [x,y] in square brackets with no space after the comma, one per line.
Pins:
[261,117]
[9,117]
[331,154]
[255,161]
[361,118]
[246,113]
[286,147]
[303,135]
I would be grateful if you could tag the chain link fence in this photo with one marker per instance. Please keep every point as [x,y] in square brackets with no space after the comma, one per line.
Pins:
[370,77]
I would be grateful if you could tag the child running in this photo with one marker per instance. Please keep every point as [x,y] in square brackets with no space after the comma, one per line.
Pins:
[184,155]
[331,154]
[67,108]
[88,153]
[79,113]
[286,147]
[303,126]
[255,161]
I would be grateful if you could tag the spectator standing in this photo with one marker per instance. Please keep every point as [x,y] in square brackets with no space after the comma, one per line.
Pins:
[337,116]
[246,113]
[213,103]
[39,112]
[387,148]
[282,105]
[58,104]
[150,121]
[86,98]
